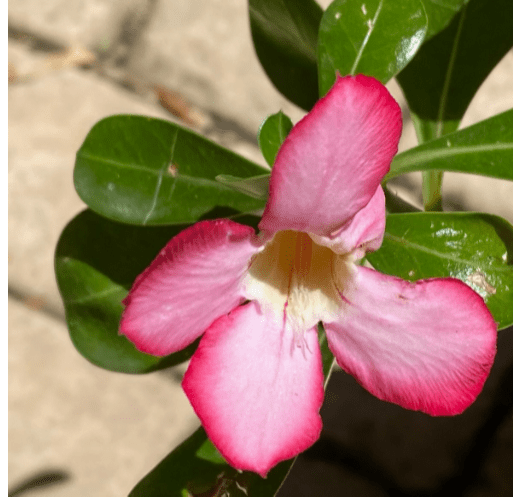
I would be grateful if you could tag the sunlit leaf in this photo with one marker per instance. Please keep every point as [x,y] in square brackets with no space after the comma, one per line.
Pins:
[370,37]
[485,148]
[146,171]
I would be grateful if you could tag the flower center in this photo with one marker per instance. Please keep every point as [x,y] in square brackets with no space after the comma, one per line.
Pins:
[295,277]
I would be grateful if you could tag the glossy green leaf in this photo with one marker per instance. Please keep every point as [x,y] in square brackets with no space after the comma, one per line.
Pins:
[256,187]
[196,468]
[485,148]
[449,68]
[285,35]
[440,14]
[146,171]
[473,247]
[272,134]
[96,263]
[369,37]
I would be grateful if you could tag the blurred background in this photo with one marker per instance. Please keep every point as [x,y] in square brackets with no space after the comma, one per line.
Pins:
[75,429]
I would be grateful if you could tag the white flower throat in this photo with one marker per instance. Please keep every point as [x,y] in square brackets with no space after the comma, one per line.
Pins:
[296,276]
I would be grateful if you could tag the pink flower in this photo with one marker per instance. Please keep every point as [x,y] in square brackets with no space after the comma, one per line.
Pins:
[256,379]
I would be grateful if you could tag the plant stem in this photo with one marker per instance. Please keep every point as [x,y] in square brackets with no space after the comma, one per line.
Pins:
[431,180]
[431,190]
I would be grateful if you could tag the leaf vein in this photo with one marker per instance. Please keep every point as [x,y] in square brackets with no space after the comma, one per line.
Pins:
[367,36]
[160,178]
[137,167]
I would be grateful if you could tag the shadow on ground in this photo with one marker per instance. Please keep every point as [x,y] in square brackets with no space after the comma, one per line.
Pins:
[39,480]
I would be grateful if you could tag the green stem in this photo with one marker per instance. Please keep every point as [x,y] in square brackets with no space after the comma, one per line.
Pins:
[431,190]
[431,180]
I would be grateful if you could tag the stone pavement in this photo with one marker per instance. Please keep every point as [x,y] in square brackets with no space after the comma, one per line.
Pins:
[79,430]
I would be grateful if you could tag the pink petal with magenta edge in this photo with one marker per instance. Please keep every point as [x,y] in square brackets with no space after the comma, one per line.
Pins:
[333,160]
[194,280]
[426,346]
[256,393]
[363,233]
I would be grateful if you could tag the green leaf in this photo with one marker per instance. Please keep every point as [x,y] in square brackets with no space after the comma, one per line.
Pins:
[442,79]
[256,187]
[96,262]
[370,37]
[473,247]
[285,35]
[485,148]
[193,468]
[146,171]
[440,14]
[272,133]
[196,468]
[445,74]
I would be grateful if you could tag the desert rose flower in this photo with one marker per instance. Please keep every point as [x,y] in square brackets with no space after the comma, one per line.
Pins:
[256,380]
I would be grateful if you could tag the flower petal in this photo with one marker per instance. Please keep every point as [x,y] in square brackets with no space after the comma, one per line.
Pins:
[427,346]
[363,233]
[257,392]
[332,161]
[195,279]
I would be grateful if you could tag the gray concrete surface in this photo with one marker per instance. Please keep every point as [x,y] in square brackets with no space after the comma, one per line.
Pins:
[103,431]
